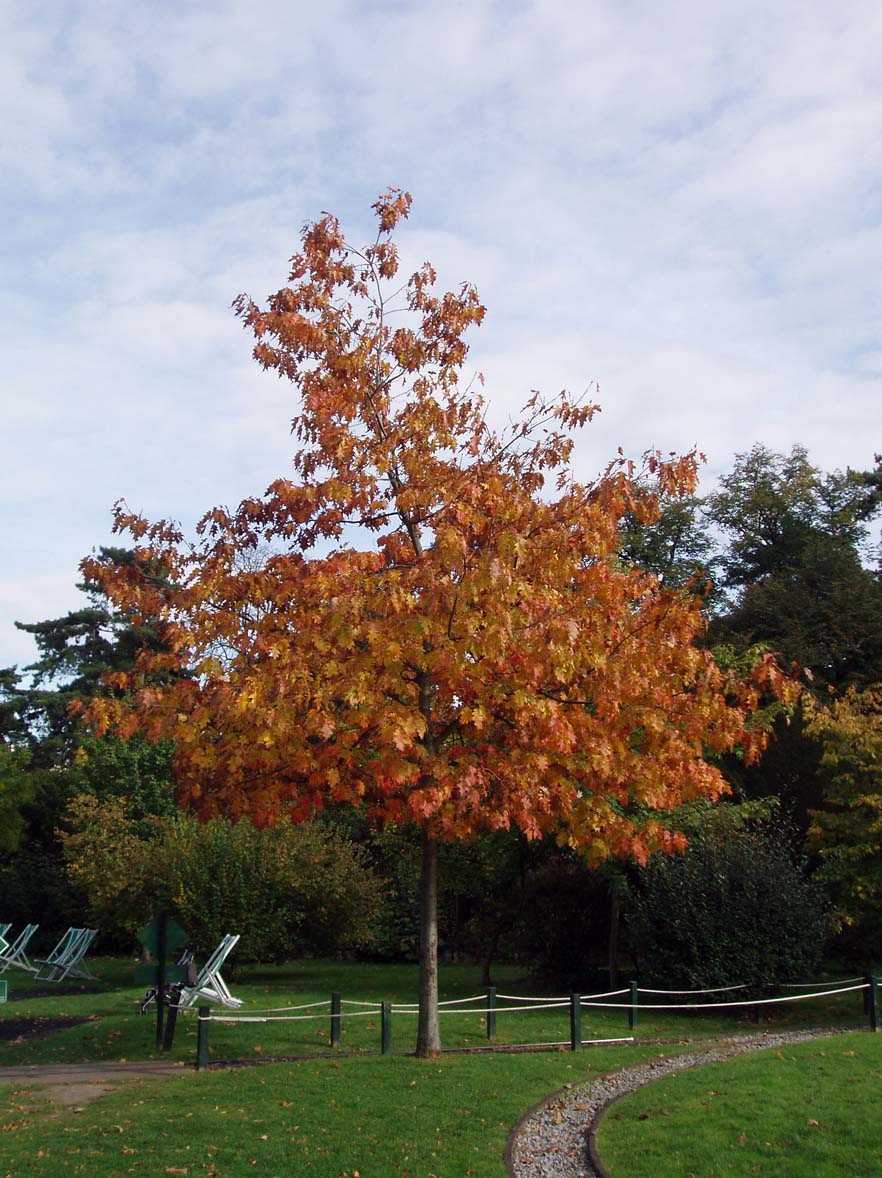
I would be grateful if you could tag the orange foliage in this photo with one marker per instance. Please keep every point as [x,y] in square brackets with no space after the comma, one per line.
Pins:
[429,620]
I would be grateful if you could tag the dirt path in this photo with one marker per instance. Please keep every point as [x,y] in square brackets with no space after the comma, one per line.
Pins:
[73,1085]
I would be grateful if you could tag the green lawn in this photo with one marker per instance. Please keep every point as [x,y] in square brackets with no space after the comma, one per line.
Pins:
[807,1109]
[355,1111]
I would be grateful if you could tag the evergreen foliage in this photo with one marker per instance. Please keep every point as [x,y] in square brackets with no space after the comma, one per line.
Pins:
[735,908]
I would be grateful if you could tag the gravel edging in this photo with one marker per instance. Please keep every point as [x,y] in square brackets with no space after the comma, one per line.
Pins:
[556,1138]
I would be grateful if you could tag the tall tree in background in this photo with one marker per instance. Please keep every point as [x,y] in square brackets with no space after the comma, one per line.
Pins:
[75,652]
[483,660]
[794,565]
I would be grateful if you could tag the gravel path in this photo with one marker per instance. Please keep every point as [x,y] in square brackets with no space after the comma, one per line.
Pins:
[553,1140]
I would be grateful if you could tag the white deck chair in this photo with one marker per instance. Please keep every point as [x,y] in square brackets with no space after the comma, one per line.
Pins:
[16,953]
[61,950]
[209,984]
[67,956]
[4,944]
[75,966]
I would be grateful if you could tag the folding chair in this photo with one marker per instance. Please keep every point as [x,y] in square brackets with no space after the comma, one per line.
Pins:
[16,953]
[74,965]
[209,984]
[4,944]
[67,956]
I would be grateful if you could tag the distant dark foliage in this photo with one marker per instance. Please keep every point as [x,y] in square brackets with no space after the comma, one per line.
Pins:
[736,907]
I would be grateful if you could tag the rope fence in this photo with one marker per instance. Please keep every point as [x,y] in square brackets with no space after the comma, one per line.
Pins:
[575,1003]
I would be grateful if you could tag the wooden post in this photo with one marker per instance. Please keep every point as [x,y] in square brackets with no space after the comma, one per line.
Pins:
[160,977]
[632,1013]
[335,1018]
[202,1038]
[491,1012]
[170,1024]
[386,1027]
[575,1021]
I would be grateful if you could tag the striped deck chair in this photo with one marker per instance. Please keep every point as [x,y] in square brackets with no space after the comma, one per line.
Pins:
[209,984]
[16,953]
[67,956]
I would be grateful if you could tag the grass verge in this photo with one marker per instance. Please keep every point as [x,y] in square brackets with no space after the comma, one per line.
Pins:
[809,1108]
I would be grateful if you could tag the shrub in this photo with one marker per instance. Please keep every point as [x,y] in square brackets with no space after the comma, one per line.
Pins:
[286,889]
[736,907]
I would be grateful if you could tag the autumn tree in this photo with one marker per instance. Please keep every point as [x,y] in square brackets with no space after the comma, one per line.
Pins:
[442,631]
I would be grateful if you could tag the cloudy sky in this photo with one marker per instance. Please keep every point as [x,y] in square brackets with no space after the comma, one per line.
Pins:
[681,202]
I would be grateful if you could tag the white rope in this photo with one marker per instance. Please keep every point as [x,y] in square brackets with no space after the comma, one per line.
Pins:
[515,998]
[716,1005]
[488,1009]
[353,1002]
[809,985]
[303,1006]
[554,1004]
[719,990]
[446,1002]
[608,994]
[283,1018]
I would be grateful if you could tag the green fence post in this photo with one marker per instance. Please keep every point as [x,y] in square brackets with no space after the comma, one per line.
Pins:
[491,1012]
[874,1002]
[335,1018]
[632,1012]
[385,1027]
[758,1014]
[202,1038]
[575,1021]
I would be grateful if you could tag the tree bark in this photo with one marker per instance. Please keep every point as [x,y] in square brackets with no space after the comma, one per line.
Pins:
[429,1032]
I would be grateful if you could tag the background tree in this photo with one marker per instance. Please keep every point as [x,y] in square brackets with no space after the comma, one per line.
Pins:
[16,789]
[675,545]
[846,830]
[285,889]
[793,565]
[75,652]
[56,758]
[485,661]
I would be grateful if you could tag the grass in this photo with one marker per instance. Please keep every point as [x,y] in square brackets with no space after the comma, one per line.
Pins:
[323,1114]
[379,1117]
[810,1108]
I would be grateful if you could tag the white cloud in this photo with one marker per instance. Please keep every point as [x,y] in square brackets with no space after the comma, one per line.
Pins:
[680,202]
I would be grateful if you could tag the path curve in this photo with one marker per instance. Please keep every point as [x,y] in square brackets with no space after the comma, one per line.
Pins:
[555,1139]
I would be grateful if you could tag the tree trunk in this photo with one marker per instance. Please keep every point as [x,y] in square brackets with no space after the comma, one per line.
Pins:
[429,1033]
